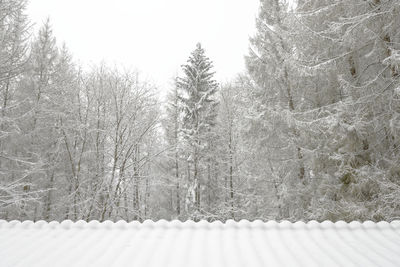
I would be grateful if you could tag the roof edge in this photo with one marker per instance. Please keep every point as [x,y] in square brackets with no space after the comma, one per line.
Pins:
[121,224]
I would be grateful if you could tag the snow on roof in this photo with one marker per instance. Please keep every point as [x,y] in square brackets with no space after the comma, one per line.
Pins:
[188,243]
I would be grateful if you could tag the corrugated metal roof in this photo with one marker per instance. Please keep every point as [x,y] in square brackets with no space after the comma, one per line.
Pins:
[188,243]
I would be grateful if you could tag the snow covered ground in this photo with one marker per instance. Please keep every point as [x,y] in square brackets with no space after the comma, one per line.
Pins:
[187,243]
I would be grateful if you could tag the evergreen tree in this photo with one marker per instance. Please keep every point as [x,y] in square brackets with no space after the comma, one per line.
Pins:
[323,84]
[198,88]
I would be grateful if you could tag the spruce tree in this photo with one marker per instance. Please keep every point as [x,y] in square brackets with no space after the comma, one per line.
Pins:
[198,88]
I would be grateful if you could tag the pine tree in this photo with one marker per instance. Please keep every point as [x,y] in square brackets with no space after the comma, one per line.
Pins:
[276,94]
[324,83]
[198,88]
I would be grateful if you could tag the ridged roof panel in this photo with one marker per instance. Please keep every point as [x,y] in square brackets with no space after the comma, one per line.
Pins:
[201,243]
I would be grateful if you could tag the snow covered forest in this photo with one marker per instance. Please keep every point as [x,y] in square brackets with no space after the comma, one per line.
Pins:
[310,131]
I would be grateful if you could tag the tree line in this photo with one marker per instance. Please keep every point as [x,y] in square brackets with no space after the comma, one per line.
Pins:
[309,131]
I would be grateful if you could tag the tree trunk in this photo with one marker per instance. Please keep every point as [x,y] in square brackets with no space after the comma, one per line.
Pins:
[178,198]
[49,195]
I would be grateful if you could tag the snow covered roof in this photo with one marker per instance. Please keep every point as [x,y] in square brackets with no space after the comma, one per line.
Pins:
[188,243]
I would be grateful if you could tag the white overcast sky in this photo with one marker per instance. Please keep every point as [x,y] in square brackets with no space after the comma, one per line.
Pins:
[153,36]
